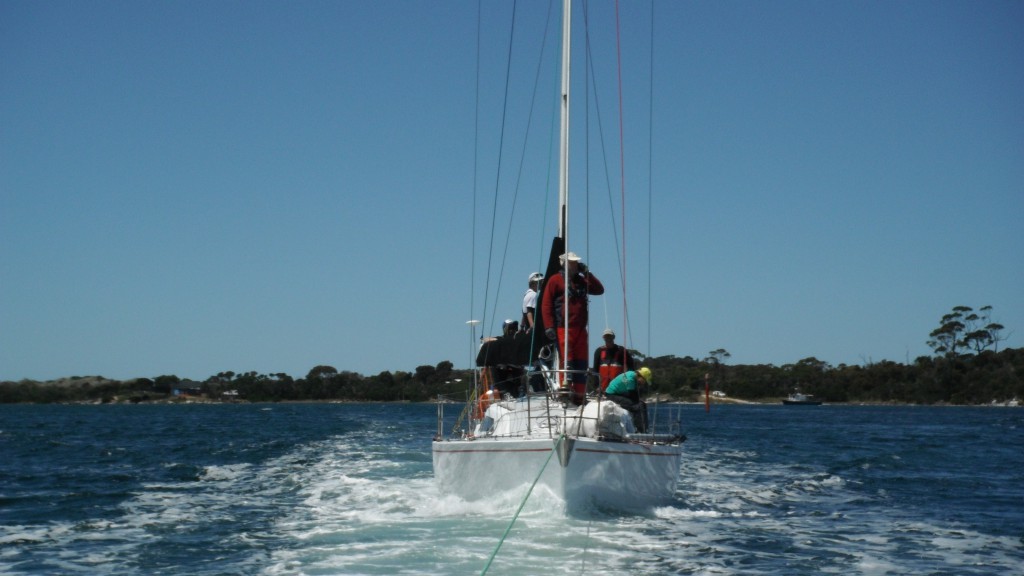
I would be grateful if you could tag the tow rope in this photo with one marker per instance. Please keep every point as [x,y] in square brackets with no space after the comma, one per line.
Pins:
[522,504]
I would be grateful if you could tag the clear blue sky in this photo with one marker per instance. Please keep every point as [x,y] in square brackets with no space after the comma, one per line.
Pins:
[193,187]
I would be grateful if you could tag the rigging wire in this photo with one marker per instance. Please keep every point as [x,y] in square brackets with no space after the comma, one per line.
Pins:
[650,189]
[592,88]
[542,252]
[622,175]
[522,157]
[586,133]
[490,308]
[488,305]
[619,242]
[497,176]
[476,177]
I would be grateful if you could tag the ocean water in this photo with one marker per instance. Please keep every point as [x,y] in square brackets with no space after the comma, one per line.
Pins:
[347,489]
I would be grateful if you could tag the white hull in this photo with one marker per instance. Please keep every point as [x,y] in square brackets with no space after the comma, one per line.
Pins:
[583,471]
[599,473]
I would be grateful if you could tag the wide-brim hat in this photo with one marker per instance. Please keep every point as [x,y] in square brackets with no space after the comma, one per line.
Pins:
[571,256]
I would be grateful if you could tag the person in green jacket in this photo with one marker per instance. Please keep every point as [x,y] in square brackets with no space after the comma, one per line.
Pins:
[625,389]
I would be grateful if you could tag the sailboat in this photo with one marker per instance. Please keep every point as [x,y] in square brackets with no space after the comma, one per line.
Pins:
[590,455]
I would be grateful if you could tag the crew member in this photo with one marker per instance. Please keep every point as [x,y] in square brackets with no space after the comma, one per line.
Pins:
[611,359]
[566,322]
[625,390]
[530,301]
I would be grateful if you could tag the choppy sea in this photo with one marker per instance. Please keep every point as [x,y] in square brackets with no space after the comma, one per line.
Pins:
[348,489]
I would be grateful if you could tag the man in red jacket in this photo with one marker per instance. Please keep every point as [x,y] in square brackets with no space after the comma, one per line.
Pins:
[554,310]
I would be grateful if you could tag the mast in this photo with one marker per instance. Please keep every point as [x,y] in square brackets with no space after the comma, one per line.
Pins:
[563,159]
[563,176]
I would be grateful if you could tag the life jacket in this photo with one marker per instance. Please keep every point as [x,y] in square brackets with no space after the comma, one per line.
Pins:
[488,395]
[486,399]
[610,365]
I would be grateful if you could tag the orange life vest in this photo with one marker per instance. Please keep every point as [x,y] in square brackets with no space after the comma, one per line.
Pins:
[609,367]
[488,395]
[486,399]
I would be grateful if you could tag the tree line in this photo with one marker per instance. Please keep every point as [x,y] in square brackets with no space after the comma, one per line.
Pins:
[989,377]
[967,368]
[971,379]
[322,383]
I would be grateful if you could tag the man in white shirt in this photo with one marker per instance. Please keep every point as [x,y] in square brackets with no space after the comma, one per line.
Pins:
[530,301]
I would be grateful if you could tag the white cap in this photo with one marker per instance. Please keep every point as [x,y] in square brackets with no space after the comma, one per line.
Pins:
[535,277]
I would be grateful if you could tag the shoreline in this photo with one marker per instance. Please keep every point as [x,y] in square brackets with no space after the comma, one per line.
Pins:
[718,401]
[98,390]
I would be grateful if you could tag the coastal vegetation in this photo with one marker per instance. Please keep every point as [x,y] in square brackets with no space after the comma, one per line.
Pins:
[966,369]
[985,378]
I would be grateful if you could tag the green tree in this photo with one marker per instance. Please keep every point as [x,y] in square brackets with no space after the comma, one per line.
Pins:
[322,372]
[964,331]
[165,383]
[982,332]
[947,339]
[716,360]
[718,356]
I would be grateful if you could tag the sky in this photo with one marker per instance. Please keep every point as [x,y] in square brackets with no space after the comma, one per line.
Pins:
[194,187]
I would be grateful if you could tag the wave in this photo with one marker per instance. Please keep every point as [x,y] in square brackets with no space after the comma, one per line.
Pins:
[363,501]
